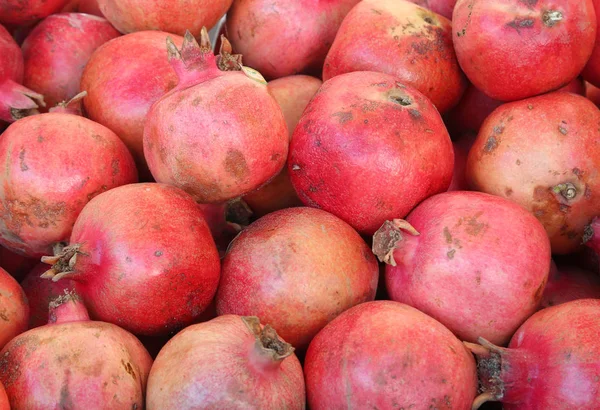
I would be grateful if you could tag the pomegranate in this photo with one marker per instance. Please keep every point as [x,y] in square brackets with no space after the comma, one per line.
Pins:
[255,28]
[16,101]
[441,7]
[461,152]
[230,362]
[296,269]
[369,148]
[293,94]
[236,127]
[401,39]
[123,78]
[387,355]
[142,257]
[505,46]
[554,175]
[551,361]
[53,164]
[455,250]
[139,15]
[19,12]
[569,283]
[4,403]
[591,71]
[17,265]
[58,49]
[14,309]
[75,363]
[40,292]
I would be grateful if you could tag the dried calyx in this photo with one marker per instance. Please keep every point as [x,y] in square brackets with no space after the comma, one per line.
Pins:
[387,237]
[267,340]
[63,262]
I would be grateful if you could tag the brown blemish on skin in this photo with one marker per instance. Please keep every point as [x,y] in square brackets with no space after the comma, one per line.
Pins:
[451,253]
[447,235]
[474,227]
[508,192]
[414,114]
[24,166]
[520,23]
[344,117]
[235,164]
[562,130]
[490,145]
[128,369]
[196,101]
[115,167]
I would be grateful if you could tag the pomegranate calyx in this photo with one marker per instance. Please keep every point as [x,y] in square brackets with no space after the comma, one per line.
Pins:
[238,214]
[226,61]
[551,17]
[67,307]
[63,263]
[267,340]
[567,190]
[69,106]
[17,101]
[386,239]
[489,367]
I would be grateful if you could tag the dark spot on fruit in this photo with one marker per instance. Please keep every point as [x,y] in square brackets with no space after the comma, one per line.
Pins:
[275,156]
[65,401]
[562,130]
[551,17]
[235,164]
[519,23]
[128,368]
[564,208]
[490,145]
[344,117]
[366,121]
[312,188]
[577,171]
[474,226]
[428,20]
[508,192]
[587,193]
[451,253]
[530,106]
[447,235]
[40,138]
[539,212]
[115,167]
[518,162]
[158,253]
[414,114]
[24,166]
[196,101]
[3,316]
[376,11]
[478,277]
[403,100]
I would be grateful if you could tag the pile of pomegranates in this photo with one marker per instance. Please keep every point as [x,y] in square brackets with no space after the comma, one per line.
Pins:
[336,204]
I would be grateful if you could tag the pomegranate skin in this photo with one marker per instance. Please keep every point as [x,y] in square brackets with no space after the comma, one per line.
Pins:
[591,72]
[465,252]
[361,136]
[401,39]
[57,50]
[4,403]
[592,93]
[123,78]
[555,175]
[292,93]
[145,258]
[221,365]
[567,283]
[14,308]
[441,7]
[387,355]
[18,12]
[53,164]
[505,46]
[268,267]
[138,15]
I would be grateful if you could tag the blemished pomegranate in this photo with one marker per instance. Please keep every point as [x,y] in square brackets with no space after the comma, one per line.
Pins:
[455,251]
[236,126]
[441,7]
[368,148]
[18,12]
[296,269]
[255,30]
[567,283]
[123,78]
[401,39]
[17,265]
[57,50]
[40,292]
[553,173]
[388,355]
[16,100]
[14,308]
[551,363]
[591,71]
[292,93]
[230,362]
[53,164]
[504,46]
[139,15]
[142,257]
[75,363]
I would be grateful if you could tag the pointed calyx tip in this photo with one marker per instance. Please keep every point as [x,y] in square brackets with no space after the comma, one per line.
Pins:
[387,238]
[268,339]
[62,263]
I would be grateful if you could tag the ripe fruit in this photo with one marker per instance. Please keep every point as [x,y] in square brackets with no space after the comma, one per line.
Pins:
[18,12]
[14,309]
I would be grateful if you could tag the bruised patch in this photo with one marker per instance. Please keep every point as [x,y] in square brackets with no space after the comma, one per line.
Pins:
[235,164]
[344,116]
[490,145]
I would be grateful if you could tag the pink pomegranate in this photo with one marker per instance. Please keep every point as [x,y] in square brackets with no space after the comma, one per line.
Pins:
[236,126]
[139,15]
[296,269]
[18,12]
[14,309]
[142,257]
[503,46]
[554,175]
[369,148]
[40,292]
[441,7]
[58,49]
[17,265]
[255,30]
[53,164]
[4,403]
[401,39]
[551,362]
[567,283]
[75,363]
[293,94]
[461,152]
[591,71]
[230,362]
[388,355]
[123,78]
[16,101]
[455,250]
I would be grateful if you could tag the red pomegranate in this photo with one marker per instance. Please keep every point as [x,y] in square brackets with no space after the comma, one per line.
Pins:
[504,46]
[293,94]
[17,265]
[455,250]
[123,78]
[53,164]
[296,269]
[388,355]
[75,363]
[236,127]
[554,175]
[369,148]
[591,71]
[567,283]
[14,308]
[16,101]
[57,50]
[230,362]
[552,361]
[142,257]
[401,39]
[19,12]
[441,7]
[255,30]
